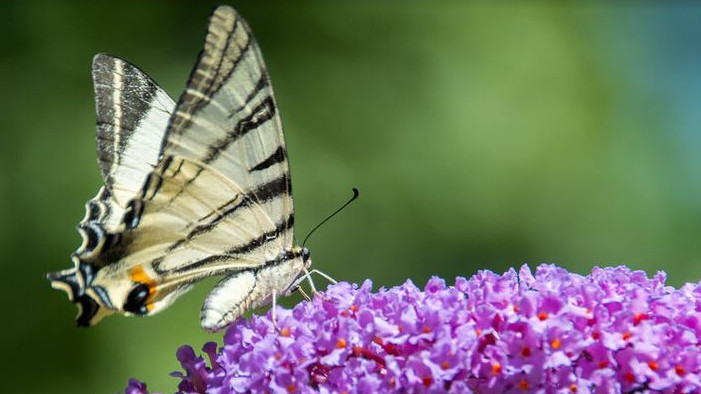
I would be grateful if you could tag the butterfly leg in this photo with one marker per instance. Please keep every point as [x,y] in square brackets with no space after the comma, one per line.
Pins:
[307,275]
[324,275]
[304,293]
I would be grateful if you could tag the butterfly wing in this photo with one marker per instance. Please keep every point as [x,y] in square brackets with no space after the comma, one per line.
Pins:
[227,119]
[132,117]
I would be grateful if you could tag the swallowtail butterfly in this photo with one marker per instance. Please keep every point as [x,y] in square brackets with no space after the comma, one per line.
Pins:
[192,189]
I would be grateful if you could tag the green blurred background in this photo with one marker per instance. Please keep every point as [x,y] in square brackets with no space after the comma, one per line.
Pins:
[480,136]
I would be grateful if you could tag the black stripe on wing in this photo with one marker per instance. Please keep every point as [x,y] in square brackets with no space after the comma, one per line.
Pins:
[124,95]
[276,157]
[262,113]
[263,82]
[240,250]
[263,193]
[228,41]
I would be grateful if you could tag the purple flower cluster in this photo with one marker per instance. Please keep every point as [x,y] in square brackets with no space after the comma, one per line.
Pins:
[613,331]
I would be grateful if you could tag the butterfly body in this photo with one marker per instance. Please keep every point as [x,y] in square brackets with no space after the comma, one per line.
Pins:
[193,189]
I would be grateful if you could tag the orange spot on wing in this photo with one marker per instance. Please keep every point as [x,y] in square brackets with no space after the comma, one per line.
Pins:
[138,275]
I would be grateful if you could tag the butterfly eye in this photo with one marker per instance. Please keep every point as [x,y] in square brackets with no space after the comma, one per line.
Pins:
[136,300]
[306,254]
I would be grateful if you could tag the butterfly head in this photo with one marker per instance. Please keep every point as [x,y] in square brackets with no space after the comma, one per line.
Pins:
[302,255]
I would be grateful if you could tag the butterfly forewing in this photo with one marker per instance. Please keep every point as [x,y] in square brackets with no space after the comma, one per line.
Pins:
[228,133]
[227,118]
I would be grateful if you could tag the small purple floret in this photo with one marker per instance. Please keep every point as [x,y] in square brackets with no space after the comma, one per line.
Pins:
[135,387]
[613,331]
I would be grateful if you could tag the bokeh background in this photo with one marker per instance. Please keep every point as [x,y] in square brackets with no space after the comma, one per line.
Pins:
[481,136]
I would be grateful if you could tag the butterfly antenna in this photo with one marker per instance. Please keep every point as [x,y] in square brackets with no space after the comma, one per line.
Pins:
[356,193]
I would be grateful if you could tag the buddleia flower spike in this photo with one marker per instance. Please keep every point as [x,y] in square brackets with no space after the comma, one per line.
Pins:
[612,331]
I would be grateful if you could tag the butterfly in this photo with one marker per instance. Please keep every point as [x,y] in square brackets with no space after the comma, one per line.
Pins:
[192,189]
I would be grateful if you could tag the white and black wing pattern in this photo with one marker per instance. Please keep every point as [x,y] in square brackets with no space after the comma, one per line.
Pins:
[132,116]
[217,202]
[226,126]
[227,119]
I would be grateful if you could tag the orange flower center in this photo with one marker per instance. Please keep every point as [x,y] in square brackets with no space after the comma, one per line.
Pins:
[555,344]
[640,317]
